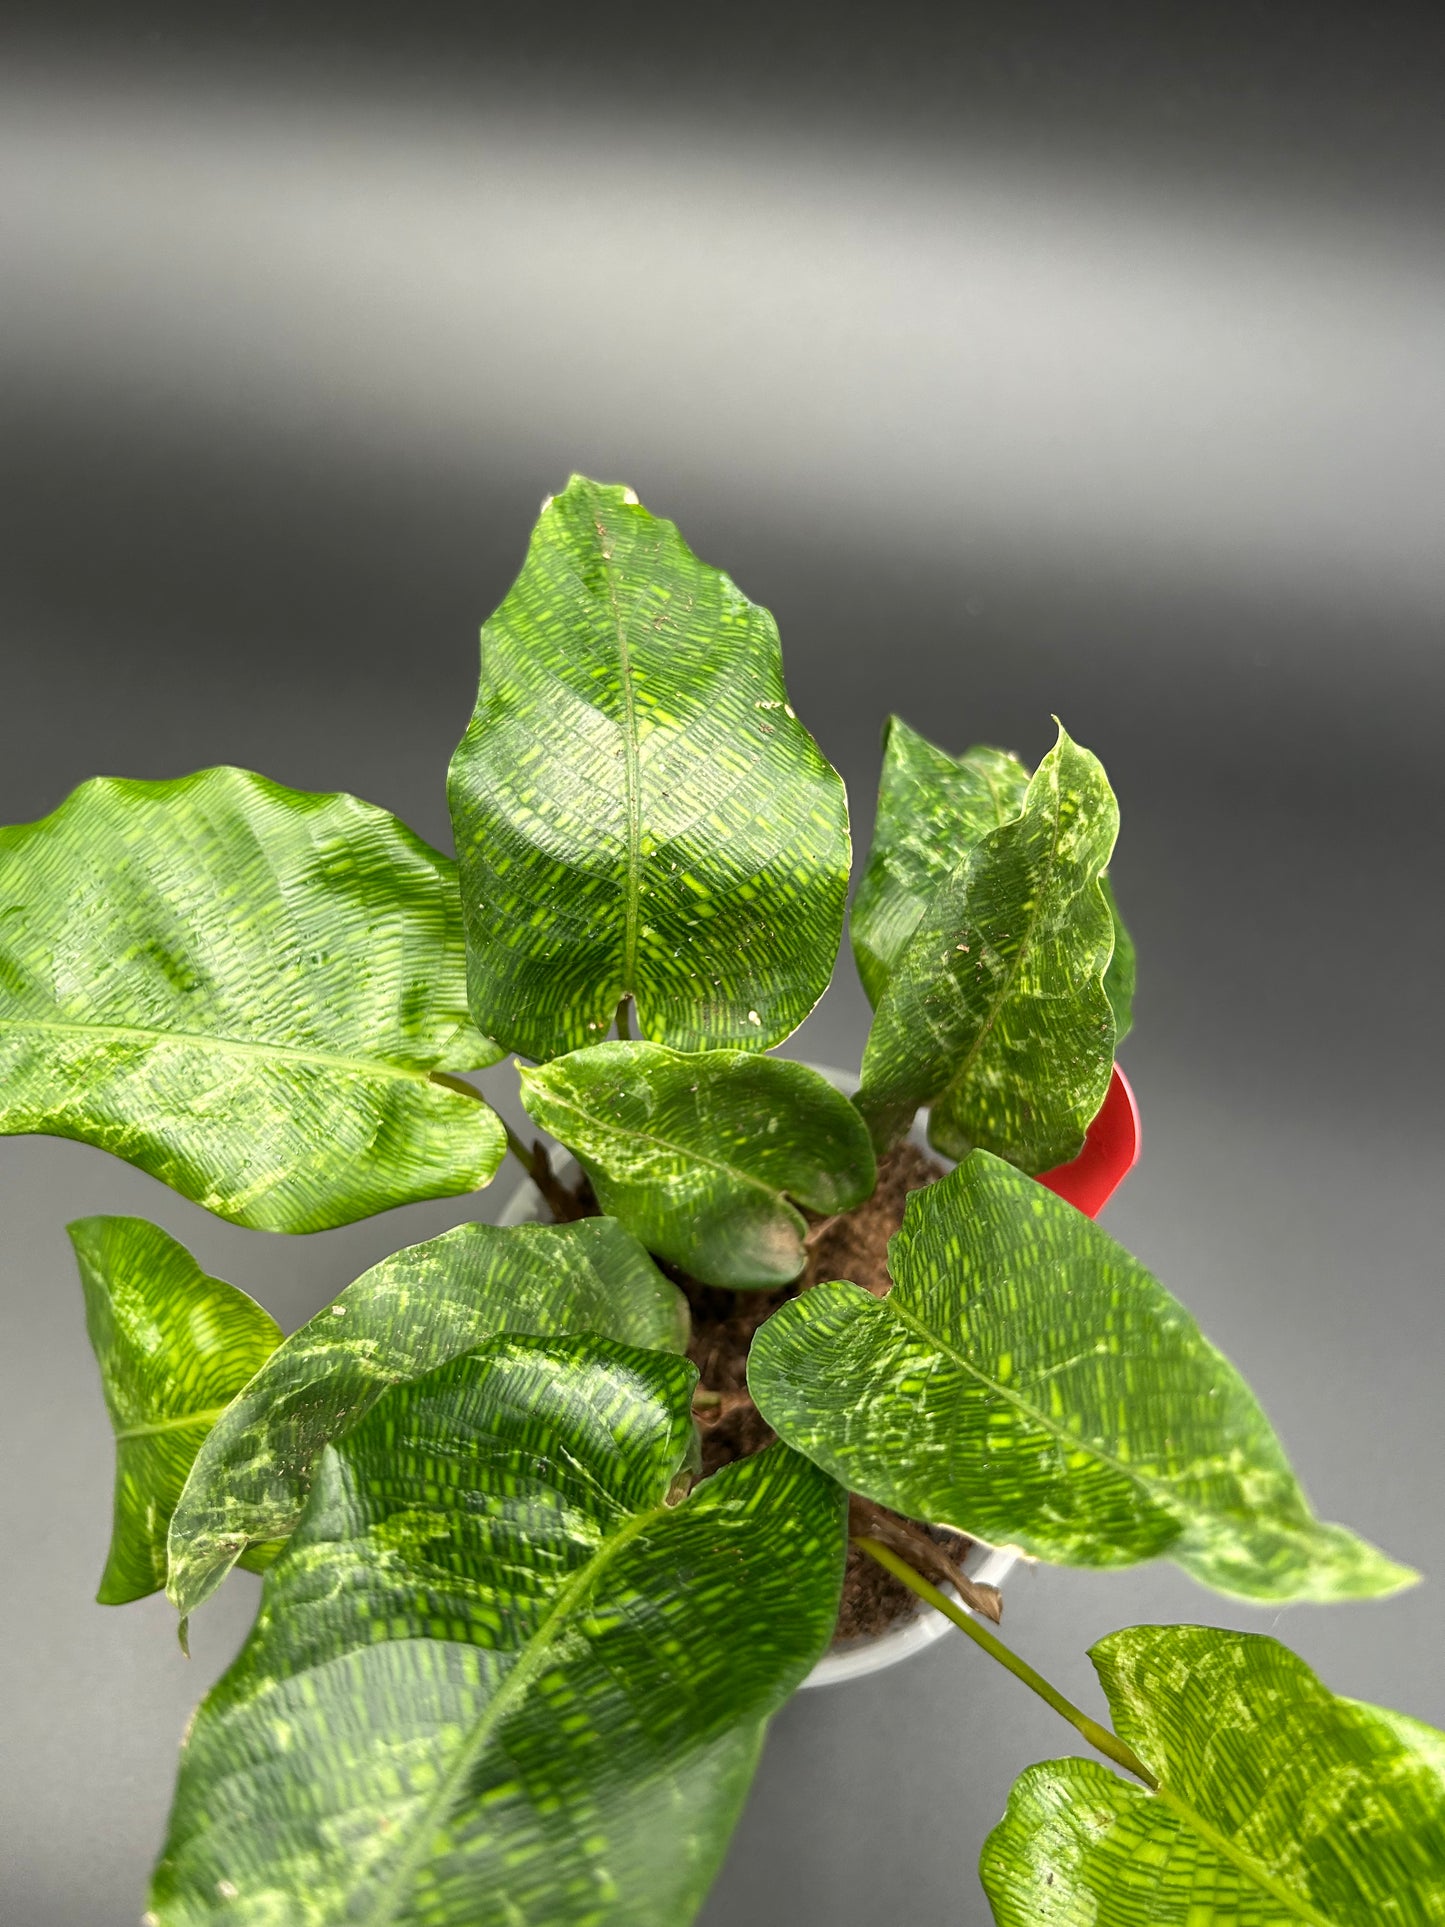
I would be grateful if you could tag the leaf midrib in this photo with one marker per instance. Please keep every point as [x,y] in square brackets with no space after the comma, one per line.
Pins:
[1227,1850]
[771,1191]
[512,1689]
[1155,1492]
[150,1428]
[1025,945]
[921,884]
[227,1046]
[631,771]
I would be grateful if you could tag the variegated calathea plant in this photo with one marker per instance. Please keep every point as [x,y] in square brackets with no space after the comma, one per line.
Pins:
[554,1516]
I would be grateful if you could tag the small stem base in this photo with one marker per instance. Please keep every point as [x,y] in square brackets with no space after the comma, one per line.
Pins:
[564,1204]
[911,1542]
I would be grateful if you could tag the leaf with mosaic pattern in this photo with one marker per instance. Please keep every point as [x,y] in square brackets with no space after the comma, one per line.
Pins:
[174,1347]
[932,809]
[403,1318]
[1120,979]
[504,1671]
[1030,1383]
[253,993]
[995,1014]
[1278,1802]
[638,810]
[699,1153]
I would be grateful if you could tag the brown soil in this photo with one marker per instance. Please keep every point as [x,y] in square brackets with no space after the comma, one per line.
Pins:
[853,1246]
[873,1600]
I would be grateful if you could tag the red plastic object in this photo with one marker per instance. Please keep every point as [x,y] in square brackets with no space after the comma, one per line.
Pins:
[1111,1150]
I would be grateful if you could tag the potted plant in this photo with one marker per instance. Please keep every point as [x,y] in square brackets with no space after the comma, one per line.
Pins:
[554,1515]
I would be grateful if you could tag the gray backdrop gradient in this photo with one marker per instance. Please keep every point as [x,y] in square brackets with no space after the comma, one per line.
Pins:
[1019,369]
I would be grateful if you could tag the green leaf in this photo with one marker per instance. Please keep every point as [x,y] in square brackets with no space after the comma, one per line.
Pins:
[1121,976]
[245,990]
[638,811]
[996,1014]
[174,1347]
[1030,1383]
[1278,1802]
[932,809]
[399,1320]
[501,1674]
[698,1153]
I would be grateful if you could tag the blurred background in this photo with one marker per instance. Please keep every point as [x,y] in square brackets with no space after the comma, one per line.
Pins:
[1022,360]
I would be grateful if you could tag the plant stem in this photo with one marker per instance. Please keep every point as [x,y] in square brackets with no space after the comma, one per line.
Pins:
[457,1084]
[1098,1736]
[559,1200]
[624,1029]
[821,1229]
[911,1542]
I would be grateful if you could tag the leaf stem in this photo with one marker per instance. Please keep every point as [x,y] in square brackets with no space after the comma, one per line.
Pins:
[561,1202]
[457,1084]
[624,1029]
[1098,1736]
[911,1542]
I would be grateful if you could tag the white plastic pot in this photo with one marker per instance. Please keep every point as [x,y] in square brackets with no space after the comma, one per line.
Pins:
[856,1658]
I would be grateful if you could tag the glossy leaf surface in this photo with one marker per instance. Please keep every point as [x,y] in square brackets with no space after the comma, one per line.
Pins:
[1120,979]
[399,1320]
[996,1014]
[637,808]
[1029,1382]
[1278,1802]
[174,1346]
[932,809]
[497,1677]
[245,991]
[698,1153]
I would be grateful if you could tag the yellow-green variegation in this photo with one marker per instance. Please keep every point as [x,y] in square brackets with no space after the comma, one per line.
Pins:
[638,810]
[1278,1803]
[401,1319]
[700,1152]
[174,1347]
[932,809]
[1030,1383]
[253,993]
[995,1013]
[508,1669]
[1119,978]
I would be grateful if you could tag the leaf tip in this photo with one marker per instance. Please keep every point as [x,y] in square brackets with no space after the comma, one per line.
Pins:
[1385,1577]
[987,1600]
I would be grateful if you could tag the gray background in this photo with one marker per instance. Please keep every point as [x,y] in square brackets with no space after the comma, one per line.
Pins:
[1077,365]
